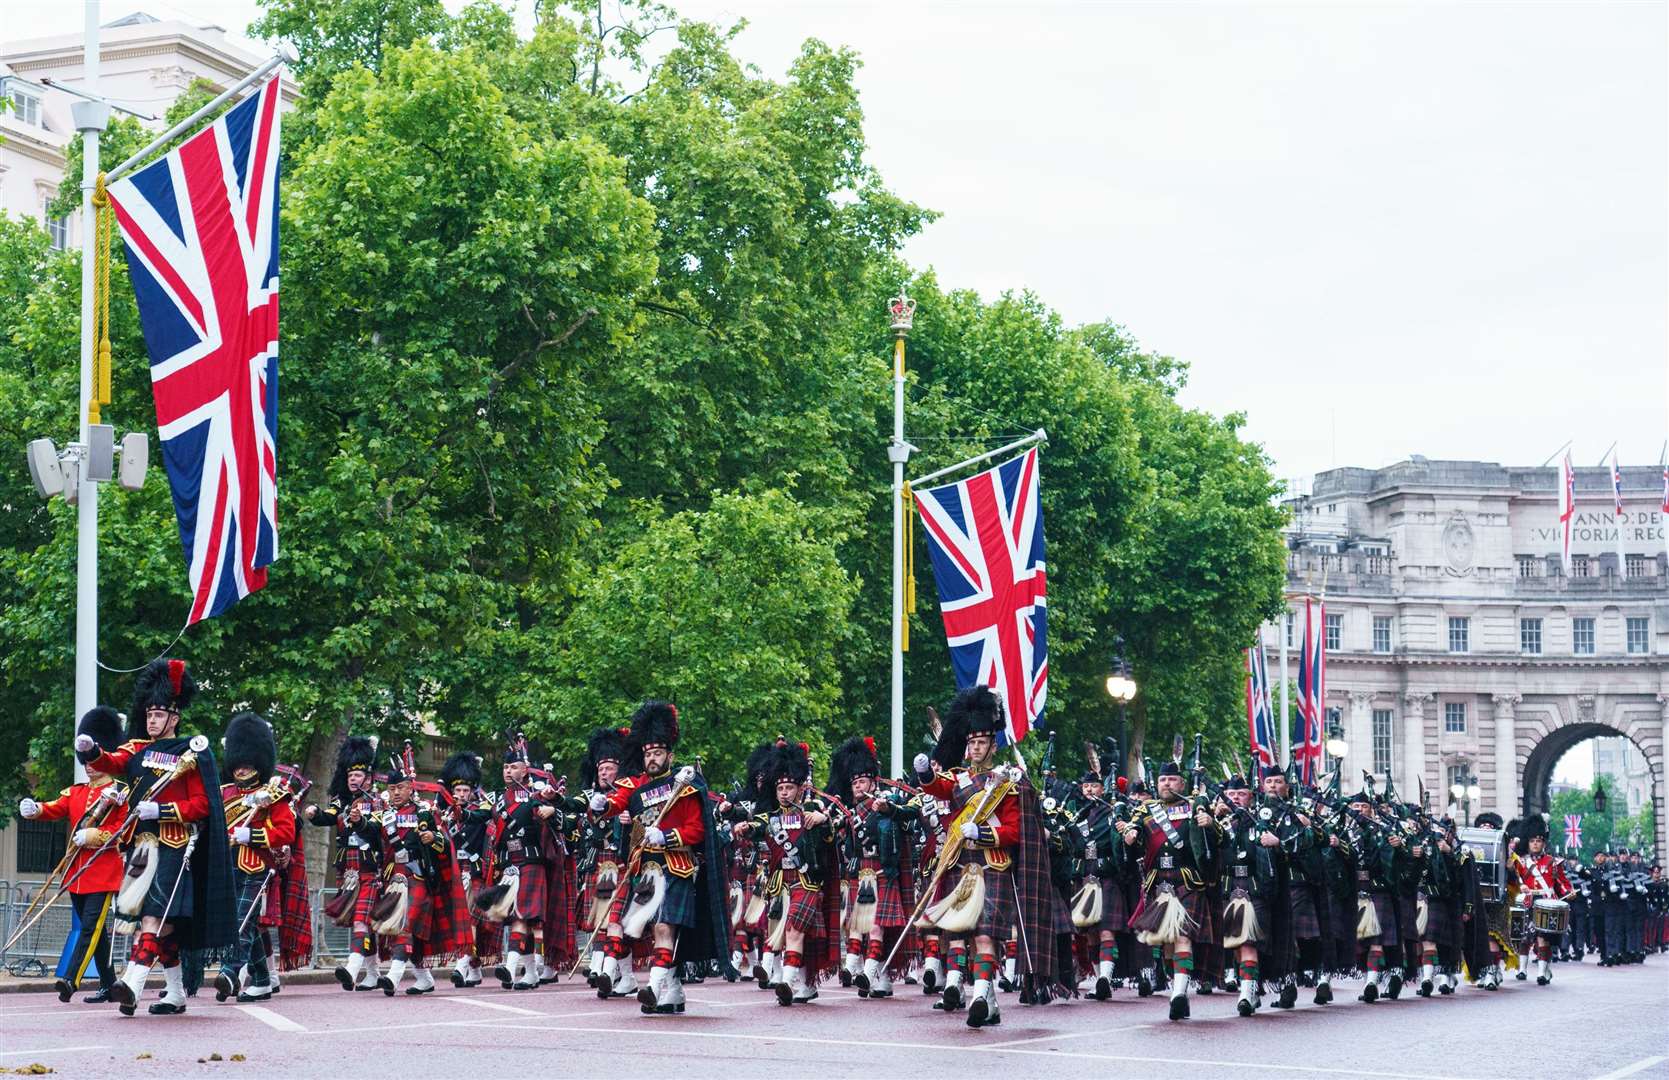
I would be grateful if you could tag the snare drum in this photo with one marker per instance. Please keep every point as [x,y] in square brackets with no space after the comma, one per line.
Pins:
[1520,926]
[1550,917]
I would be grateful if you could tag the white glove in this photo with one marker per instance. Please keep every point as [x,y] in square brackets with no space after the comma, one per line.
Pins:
[686,775]
[28,808]
[599,801]
[148,811]
[654,837]
[113,794]
[86,838]
[83,743]
[970,830]
[922,764]
[241,834]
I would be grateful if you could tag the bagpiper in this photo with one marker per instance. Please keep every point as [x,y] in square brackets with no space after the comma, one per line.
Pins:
[259,826]
[1000,856]
[467,815]
[878,853]
[674,892]
[522,835]
[352,817]
[798,833]
[93,871]
[602,844]
[421,915]
[1178,841]
[178,885]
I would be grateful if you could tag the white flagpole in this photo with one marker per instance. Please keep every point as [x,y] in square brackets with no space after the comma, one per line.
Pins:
[903,312]
[1567,510]
[1618,513]
[91,116]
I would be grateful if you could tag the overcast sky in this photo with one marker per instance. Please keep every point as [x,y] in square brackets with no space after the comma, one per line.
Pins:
[1375,229]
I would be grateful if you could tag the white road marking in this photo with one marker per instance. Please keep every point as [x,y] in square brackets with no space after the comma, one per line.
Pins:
[661,1031]
[488,1022]
[1063,1035]
[271,1019]
[1639,1066]
[495,1006]
[53,1050]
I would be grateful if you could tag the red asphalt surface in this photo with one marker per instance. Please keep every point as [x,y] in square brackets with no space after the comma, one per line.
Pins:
[1590,1023]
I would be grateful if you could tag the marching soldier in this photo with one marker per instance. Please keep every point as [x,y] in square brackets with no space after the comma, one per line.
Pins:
[466,815]
[94,873]
[1539,876]
[522,816]
[422,915]
[259,827]
[878,852]
[178,886]
[352,816]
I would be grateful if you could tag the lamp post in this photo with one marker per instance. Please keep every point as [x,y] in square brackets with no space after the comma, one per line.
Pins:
[1466,791]
[1336,745]
[1599,796]
[901,311]
[1122,689]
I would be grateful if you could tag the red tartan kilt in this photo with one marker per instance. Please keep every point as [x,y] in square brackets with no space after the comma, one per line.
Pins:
[370,891]
[532,888]
[420,918]
[588,896]
[889,903]
[805,909]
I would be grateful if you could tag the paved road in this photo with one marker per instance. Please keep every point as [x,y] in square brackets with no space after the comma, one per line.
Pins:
[1590,1023]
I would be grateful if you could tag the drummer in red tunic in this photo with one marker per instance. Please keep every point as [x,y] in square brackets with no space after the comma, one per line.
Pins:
[1540,877]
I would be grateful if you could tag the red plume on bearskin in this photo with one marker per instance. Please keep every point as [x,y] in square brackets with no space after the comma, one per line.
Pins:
[854,757]
[162,684]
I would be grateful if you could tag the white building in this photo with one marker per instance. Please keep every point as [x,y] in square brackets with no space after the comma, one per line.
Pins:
[1623,761]
[145,64]
[1457,646]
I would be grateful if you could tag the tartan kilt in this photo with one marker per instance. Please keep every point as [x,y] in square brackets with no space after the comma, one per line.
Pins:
[805,908]
[1408,919]
[889,903]
[532,891]
[1306,918]
[1201,926]
[1385,909]
[678,909]
[1115,909]
[1002,907]
[1442,922]
[439,925]
[171,867]
[588,892]
[370,891]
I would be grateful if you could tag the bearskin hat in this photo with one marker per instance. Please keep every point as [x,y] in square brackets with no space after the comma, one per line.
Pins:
[249,743]
[604,744]
[655,724]
[461,768]
[787,761]
[356,752]
[754,785]
[974,711]
[852,758]
[105,726]
[164,684]
[1533,826]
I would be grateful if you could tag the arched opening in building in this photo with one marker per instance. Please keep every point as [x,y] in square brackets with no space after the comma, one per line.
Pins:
[1564,780]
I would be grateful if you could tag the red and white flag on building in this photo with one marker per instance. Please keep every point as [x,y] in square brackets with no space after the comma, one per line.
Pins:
[1567,509]
[1617,512]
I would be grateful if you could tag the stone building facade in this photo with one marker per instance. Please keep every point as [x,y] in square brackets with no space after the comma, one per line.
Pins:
[1457,646]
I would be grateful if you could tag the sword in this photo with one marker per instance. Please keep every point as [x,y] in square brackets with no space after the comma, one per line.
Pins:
[185,860]
[248,914]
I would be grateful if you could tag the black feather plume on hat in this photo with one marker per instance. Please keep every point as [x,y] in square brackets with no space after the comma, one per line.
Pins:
[461,768]
[356,752]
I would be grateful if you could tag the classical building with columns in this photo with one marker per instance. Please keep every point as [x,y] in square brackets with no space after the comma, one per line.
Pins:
[1459,648]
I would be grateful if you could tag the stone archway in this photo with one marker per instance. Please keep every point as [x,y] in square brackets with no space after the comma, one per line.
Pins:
[1554,733]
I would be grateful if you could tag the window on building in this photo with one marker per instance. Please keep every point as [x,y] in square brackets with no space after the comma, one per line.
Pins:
[1637,566]
[1460,633]
[27,108]
[59,230]
[1581,566]
[1529,566]
[1382,633]
[1639,634]
[1530,636]
[1382,740]
[1289,629]
[1582,636]
[1454,717]
[40,844]
[1335,631]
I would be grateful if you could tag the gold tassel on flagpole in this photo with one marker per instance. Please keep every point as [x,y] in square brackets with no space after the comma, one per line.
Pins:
[909,565]
[102,215]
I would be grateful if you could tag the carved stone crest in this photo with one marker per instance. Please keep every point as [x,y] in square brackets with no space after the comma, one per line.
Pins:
[1457,546]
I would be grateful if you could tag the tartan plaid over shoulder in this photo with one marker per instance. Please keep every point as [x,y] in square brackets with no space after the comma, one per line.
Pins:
[1039,906]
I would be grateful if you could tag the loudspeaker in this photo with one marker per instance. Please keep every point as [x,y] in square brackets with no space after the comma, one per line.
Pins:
[100,462]
[44,469]
[136,456]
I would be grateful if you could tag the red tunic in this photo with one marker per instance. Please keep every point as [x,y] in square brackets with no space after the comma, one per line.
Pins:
[681,821]
[271,828]
[1001,830]
[1540,875]
[105,874]
[180,801]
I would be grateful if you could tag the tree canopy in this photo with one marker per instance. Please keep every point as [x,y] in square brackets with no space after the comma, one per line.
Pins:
[585,383]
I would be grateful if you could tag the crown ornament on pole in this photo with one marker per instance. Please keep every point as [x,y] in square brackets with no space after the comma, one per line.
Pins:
[903,311]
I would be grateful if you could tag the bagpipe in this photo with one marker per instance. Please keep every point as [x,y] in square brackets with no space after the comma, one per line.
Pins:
[368,805]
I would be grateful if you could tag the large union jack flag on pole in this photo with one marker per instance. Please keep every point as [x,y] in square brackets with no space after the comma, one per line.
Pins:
[985,535]
[1312,692]
[201,230]
[1260,718]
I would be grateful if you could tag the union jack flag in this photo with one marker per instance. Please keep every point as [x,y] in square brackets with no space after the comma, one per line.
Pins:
[1312,692]
[201,231]
[985,535]
[1567,508]
[1573,832]
[1260,719]
[1616,487]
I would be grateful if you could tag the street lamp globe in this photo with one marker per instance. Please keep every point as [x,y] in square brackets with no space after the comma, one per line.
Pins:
[1474,793]
[1337,747]
[1458,791]
[1121,689]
